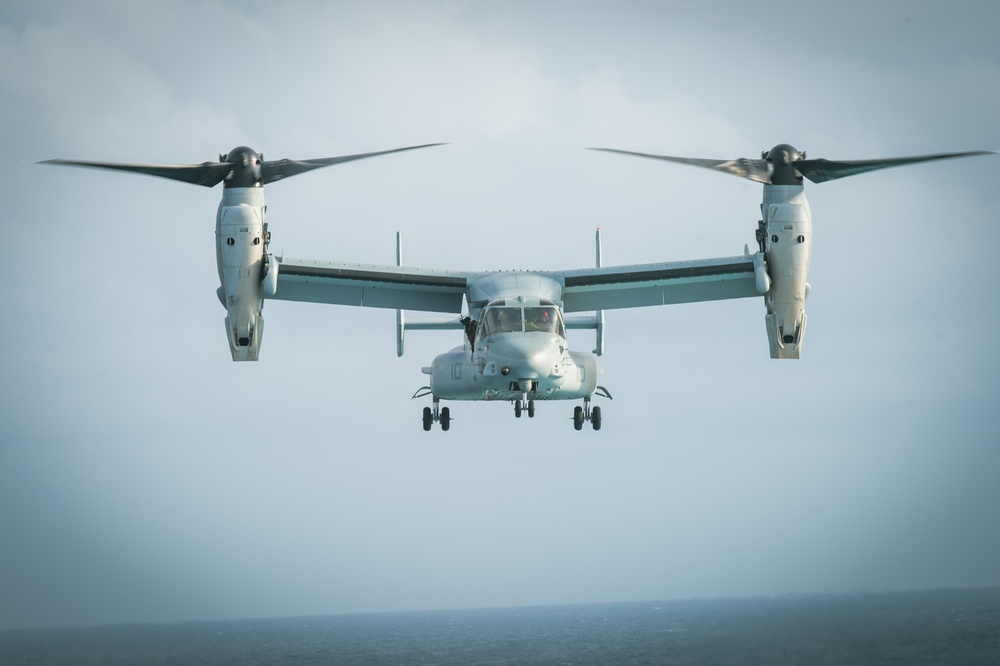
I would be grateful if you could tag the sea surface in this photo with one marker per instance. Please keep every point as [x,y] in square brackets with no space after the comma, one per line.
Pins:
[910,628]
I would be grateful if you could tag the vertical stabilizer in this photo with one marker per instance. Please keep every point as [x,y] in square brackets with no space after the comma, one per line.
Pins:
[599,332]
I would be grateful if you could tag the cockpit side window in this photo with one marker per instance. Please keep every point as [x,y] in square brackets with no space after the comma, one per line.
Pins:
[544,319]
[502,320]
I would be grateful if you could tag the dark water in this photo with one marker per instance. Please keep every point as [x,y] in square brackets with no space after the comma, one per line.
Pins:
[940,627]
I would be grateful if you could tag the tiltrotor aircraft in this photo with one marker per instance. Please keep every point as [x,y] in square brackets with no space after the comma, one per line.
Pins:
[514,345]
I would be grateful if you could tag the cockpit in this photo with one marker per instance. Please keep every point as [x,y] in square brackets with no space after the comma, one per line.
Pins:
[512,316]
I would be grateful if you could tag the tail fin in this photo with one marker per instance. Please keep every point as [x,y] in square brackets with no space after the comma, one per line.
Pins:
[599,334]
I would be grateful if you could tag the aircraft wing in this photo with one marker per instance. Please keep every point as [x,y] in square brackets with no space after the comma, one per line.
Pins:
[640,285]
[370,285]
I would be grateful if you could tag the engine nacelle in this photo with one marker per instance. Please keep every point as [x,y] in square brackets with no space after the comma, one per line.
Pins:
[240,246]
[787,244]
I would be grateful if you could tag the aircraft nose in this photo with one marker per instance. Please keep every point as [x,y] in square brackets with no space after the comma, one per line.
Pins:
[529,356]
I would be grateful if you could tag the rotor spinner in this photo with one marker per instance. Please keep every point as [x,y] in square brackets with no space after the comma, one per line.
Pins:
[246,164]
[782,158]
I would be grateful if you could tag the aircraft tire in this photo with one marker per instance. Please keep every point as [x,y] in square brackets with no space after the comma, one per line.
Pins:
[578,418]
[445,418]
[428,418]
[517,408]
[531,409]
[595,418]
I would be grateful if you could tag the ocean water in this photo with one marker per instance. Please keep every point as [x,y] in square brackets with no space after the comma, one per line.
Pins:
[911,628]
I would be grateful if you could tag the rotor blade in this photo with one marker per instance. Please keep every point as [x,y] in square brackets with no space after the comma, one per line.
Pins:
[820,171]
[207,174]
[756,170]
[274,170]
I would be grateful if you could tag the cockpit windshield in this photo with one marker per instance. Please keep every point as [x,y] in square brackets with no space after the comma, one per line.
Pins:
[545,319]
[502,320]
[506,319]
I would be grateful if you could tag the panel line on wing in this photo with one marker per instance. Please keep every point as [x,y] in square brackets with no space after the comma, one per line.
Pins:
[656,274]
[410,277]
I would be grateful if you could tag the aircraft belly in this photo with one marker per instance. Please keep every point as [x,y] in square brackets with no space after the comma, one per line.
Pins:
[456,376]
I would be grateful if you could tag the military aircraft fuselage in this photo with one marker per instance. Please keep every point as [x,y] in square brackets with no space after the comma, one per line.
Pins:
[519,350]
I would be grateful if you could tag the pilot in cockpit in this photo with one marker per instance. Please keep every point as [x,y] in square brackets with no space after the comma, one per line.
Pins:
[540,319]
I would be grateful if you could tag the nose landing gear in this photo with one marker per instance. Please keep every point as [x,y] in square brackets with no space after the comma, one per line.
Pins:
[524,405]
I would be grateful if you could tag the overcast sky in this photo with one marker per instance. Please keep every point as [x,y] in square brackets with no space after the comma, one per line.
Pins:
[144,476]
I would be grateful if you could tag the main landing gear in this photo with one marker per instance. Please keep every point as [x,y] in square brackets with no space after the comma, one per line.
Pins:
[442,416]
[586,413]
[438,414]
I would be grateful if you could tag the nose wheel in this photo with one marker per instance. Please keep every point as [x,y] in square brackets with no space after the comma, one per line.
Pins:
[524,405]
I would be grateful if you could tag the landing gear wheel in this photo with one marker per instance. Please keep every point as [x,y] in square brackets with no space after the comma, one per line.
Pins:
[428,418]
[517,408]
[445,418]
[578,418]
[531,409]
[595,418]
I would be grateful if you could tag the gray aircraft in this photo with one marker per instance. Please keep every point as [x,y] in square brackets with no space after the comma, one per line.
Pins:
[514,346]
